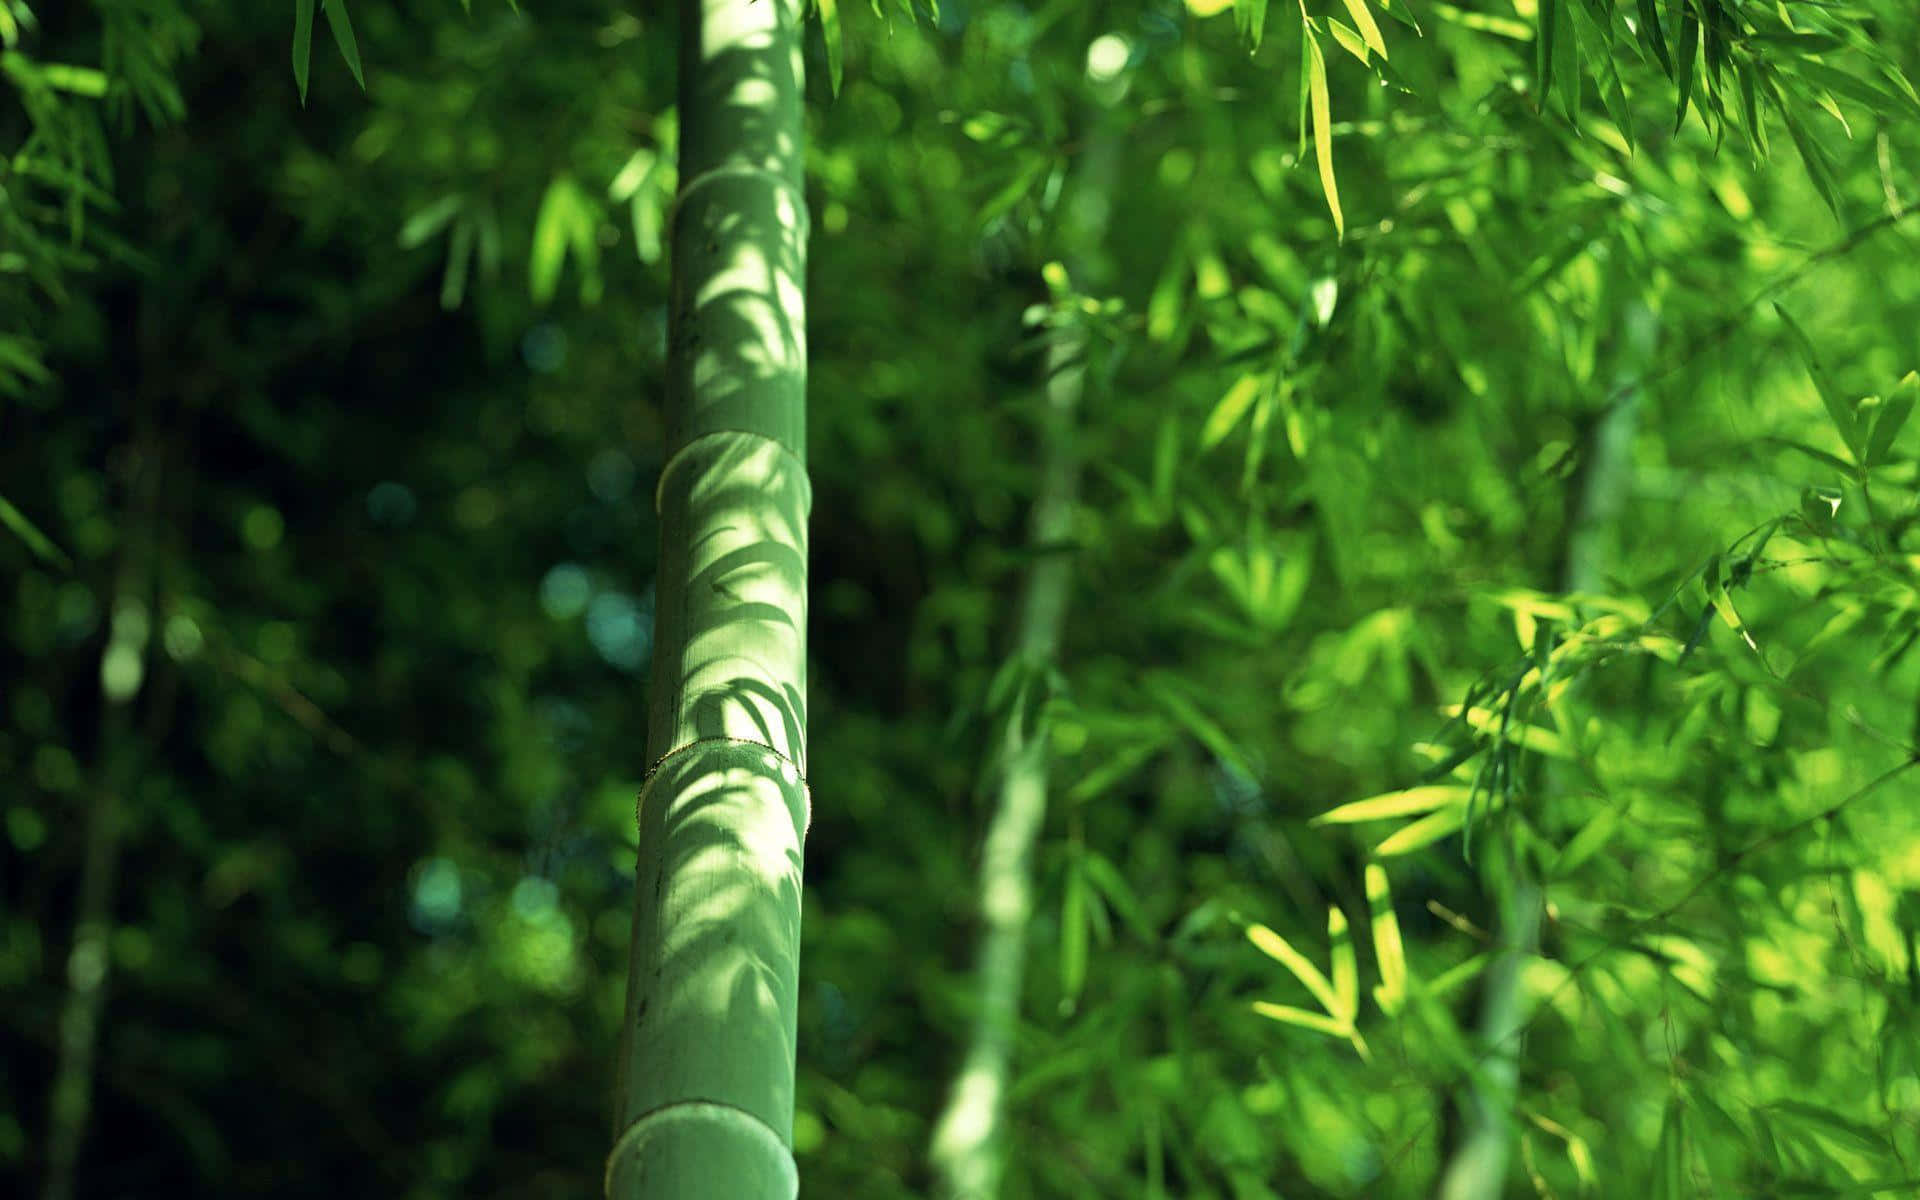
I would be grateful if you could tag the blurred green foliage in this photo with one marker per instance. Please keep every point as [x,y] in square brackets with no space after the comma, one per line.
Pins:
[327,452]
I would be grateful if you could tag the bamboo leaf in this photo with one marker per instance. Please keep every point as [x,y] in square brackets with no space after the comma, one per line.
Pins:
[1836,405]
[1813,452]
[1323,129]
[551,235]
[1232,406]
[1349,41]
[28,532]
[342,27]
[830,32]
[1670,1153]
[1363,21]
[1583,845]
[1281,951]
[429,220]
[1454,977]
[1424,832]
[1683,63]
[1346,966]
[302,44]
[1893,416]
[1388,949]
[1566,66]
[1256,16]
[1651,35]
[1073,936]
[1403,803]
[1819,166]
[1833,1127]
[1544,38]
[1879,99]
[1198,723]
[1301,1017]
[1113,885]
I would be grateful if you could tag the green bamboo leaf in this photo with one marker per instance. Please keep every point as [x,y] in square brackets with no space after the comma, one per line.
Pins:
[1388,948]
[1756,129]
[1424,832]
[1281,951]
[1833,1127]
[1120,764]
[1118,892]
[1819,166]
[1398,10]
[1723,604]
[1299,1016]
[1813,452]
[80,81]
[1651,35]
[429,220]
[453,284]
[830,31]
[302,44]
[1032,166]
[1073,936]
[1837,408]
[1566,68]
[552,233]
[336,11]
[1349,40]
[1363,21]
[1683,62]
[1346,966]
[1893,417]
[1591,838]
[1198,723]
[1403,803]
[1453,978]
[1670,1153]
[1323,129]
[1878,99]
[1232,406]
[1256,17]
[1545,36]
[28,532]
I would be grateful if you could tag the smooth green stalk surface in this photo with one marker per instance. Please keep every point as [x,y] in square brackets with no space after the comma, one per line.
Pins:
[707,1064]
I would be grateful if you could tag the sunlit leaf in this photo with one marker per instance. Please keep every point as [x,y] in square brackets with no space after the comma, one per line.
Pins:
[1591,838]
[1363,21]
[1231,408]
[1346,966]
[830,31]
[1349,40]
[552,232]
[1402,803]
[1424,832]
[1281,951]
[1319,1022]
[1388,948]
[1323,129]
